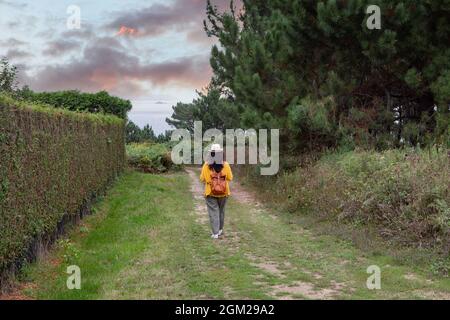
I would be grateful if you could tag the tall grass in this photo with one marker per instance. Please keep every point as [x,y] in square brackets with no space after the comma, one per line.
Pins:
[150,157]
[403,194]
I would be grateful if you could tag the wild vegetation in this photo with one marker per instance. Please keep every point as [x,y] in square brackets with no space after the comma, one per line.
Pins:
[150,157]
[53,163]
[402,195]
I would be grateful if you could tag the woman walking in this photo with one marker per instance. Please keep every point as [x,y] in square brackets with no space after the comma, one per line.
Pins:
[216,173]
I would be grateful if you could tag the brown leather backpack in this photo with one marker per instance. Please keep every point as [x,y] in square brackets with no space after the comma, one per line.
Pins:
[218,183]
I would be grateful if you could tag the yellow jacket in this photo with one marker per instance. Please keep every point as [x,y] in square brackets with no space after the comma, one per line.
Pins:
[205,177]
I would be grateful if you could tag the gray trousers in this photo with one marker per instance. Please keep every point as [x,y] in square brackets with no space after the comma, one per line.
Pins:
[216,211]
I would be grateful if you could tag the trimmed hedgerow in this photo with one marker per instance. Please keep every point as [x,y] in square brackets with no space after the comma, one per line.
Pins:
[52,163]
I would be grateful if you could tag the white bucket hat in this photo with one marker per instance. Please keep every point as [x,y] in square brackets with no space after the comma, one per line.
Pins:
[216,148]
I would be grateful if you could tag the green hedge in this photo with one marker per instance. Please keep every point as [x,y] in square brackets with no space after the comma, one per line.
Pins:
[52,163]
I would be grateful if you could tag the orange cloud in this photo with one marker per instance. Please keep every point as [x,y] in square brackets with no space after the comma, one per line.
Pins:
[126,31]
[105,79]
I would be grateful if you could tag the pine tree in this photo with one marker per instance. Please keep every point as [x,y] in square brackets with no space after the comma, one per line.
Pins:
[214,111]
[8,76]
[285,63]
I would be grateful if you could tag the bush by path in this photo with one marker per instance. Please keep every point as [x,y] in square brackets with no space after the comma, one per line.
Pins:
[150,157]
[402,194]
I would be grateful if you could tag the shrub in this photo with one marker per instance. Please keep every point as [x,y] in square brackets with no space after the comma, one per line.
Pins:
[150,157]
[52,163]
[404,194]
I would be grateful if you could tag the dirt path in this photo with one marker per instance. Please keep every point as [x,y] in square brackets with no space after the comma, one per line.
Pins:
[234,239]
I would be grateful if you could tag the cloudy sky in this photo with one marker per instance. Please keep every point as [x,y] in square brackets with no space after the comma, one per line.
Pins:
[153,52]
